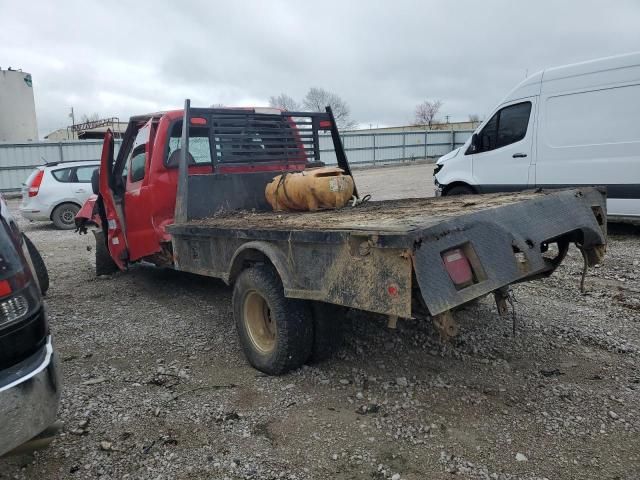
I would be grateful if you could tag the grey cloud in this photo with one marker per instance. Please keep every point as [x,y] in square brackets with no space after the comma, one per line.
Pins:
[383,57]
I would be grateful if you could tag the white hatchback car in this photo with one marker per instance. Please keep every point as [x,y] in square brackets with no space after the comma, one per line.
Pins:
[56,191]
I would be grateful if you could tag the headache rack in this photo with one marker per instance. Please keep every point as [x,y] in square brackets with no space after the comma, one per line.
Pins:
[244,138]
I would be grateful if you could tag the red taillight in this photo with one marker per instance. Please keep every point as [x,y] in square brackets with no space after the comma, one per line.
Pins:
[458,267]
[198,121]
[5,288]
[324,124]
[34,187]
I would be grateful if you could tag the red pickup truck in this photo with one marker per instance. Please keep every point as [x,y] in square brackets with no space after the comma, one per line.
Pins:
[193,199]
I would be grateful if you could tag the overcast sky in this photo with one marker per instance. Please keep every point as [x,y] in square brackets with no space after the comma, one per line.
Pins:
[121,58]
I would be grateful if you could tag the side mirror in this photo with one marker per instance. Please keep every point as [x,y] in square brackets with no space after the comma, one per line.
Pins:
[95,181]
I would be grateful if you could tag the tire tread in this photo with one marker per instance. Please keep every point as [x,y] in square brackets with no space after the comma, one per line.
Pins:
[293,322]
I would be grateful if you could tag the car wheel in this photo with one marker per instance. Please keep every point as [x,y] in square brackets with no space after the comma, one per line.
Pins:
[276,332]
[64,216]
[460,190]
[38,265]
[104,263]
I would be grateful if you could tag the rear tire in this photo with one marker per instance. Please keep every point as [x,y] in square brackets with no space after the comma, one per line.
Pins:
[460,190]
[276,332]
[64,216]
[38,265]
[104,263]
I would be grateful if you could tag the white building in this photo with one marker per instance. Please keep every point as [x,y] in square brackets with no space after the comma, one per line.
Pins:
[17,107]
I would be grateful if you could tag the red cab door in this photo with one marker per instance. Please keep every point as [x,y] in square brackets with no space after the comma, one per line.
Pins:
[138,200]
[116,239]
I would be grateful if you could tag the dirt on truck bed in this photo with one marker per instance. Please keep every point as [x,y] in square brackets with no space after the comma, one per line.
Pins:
[387,215]
[155,384]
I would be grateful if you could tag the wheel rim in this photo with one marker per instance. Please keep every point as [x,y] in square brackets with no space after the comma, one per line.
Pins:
[67,216]
[259,322]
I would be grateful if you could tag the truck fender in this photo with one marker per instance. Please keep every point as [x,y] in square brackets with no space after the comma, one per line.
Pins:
[259,252]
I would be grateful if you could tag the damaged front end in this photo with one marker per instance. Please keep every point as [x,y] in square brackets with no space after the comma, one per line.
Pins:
[88,216]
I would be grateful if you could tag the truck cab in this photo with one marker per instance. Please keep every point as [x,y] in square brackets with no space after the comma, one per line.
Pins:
[138,186]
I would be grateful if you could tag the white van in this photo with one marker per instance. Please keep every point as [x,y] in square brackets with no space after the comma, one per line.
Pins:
[573,125]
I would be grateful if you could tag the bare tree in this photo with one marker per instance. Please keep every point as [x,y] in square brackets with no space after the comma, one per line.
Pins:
[284,102]
[474,118]
[89,118]
[426,112]
[319,98]
[217,105]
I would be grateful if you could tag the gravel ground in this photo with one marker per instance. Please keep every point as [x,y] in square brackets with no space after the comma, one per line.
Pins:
[156,385]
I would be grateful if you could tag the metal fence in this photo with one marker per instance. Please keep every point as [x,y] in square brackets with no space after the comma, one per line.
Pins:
[379,148]
[17,161]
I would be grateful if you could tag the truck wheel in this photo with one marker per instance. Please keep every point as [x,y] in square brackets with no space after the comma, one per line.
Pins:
[328,327]
[104,263]
[460,190]
[276,332]
[38,265]
[64,216]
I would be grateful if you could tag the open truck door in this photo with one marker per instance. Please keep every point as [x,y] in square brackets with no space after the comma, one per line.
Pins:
[112,221]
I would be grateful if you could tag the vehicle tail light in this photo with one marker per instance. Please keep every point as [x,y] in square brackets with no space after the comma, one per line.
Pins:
[458,267]
[198,121]
[13,308]
[5,288]
[325,124]
[34,187]
[19,295]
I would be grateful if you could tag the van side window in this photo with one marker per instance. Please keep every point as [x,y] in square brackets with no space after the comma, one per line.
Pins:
[513,122]
[507,126]
[488,135]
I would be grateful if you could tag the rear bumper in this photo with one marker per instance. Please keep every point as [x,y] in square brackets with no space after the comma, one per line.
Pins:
[34,214]
[507,244]
[29,397]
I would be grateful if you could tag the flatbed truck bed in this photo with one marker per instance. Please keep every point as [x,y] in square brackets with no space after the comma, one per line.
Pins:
[401,215]
[383,256]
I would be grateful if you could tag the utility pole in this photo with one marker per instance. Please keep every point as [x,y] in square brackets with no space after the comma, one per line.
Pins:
[73,122]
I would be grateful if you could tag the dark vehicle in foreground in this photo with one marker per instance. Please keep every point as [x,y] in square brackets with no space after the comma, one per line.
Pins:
[29,376]
[193,199]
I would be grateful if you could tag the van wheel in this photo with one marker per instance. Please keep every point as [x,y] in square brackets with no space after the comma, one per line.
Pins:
[104,263]
[460,190]
[64,216]
[276,332]
[38,265]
